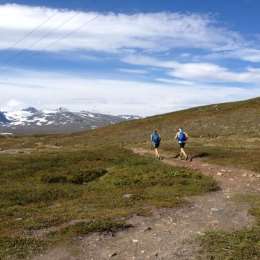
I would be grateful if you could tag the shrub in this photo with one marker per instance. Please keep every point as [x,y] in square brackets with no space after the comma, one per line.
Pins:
[54,179]
[83,176]
[87,176]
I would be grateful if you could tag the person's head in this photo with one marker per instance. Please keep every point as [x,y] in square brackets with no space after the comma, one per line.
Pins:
[155,131]
[181,129]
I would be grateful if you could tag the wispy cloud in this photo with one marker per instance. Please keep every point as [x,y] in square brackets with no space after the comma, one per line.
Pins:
[133,71]
[114,96]
[204,72]
[113,32]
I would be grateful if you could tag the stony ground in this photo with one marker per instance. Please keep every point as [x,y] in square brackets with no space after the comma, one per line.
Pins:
[171,233]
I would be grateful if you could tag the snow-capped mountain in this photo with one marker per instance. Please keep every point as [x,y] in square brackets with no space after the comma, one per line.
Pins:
[32,120]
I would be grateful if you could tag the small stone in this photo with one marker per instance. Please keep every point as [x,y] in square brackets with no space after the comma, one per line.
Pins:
[244,175]
[231,179]
[128,196]
[135,241]
[220,174]
[148,229]
[113,254]
[142,252]
[257,176]
[18,219]
[214,209]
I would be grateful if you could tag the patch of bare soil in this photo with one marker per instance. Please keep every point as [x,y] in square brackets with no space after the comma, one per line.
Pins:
[171,233]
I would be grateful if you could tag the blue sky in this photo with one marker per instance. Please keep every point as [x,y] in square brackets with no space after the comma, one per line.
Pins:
[128,57]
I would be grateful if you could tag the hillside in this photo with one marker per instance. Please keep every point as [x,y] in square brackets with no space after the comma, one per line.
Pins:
[219,129]
[58,189]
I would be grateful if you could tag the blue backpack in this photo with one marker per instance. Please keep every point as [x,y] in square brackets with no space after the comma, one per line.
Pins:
[156,138]
[182,138]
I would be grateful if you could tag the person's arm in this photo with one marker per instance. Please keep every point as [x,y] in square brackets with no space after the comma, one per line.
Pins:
[187,136]
[176,136]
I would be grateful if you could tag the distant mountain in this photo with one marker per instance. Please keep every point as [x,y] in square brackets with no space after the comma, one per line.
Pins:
[3,119]
[33,121]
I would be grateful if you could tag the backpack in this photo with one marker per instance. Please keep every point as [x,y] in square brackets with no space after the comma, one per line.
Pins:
[182,138]
[156,138]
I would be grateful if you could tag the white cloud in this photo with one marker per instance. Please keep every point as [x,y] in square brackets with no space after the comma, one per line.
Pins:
[12,105]
[112,32]
[247,54]
[175,81]
[133,71]
[205,72]
[114,96]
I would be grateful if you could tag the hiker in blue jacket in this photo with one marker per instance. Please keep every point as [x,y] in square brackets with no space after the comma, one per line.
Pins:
[155,140]
[182,138]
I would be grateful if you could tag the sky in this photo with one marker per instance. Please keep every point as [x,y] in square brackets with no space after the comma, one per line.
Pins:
[128,57]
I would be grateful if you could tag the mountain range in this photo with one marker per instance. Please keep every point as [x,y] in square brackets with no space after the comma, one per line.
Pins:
[34,121]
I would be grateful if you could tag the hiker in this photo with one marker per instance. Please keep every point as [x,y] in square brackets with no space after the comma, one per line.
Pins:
[155,140]
[182,138]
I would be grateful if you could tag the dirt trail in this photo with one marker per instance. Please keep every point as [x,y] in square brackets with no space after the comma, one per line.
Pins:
[170,233]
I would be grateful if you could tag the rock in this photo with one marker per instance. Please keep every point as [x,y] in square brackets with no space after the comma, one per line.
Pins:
[244,175]
[142,252]
[220,174]
[128,196]
[231,179]
[257,176]
[214,209]
[148,229]
[113,254]
[135,241]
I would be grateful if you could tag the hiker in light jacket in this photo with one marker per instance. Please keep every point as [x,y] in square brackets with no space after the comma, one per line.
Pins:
[155,141]
[182,138]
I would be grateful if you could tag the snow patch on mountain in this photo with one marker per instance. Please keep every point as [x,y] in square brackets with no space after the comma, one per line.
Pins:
[59,120]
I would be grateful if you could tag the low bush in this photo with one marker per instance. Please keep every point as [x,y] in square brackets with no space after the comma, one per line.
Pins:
[83,176]
[87,176]
[54,179]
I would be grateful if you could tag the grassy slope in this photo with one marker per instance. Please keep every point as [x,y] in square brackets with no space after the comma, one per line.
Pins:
[228,133]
